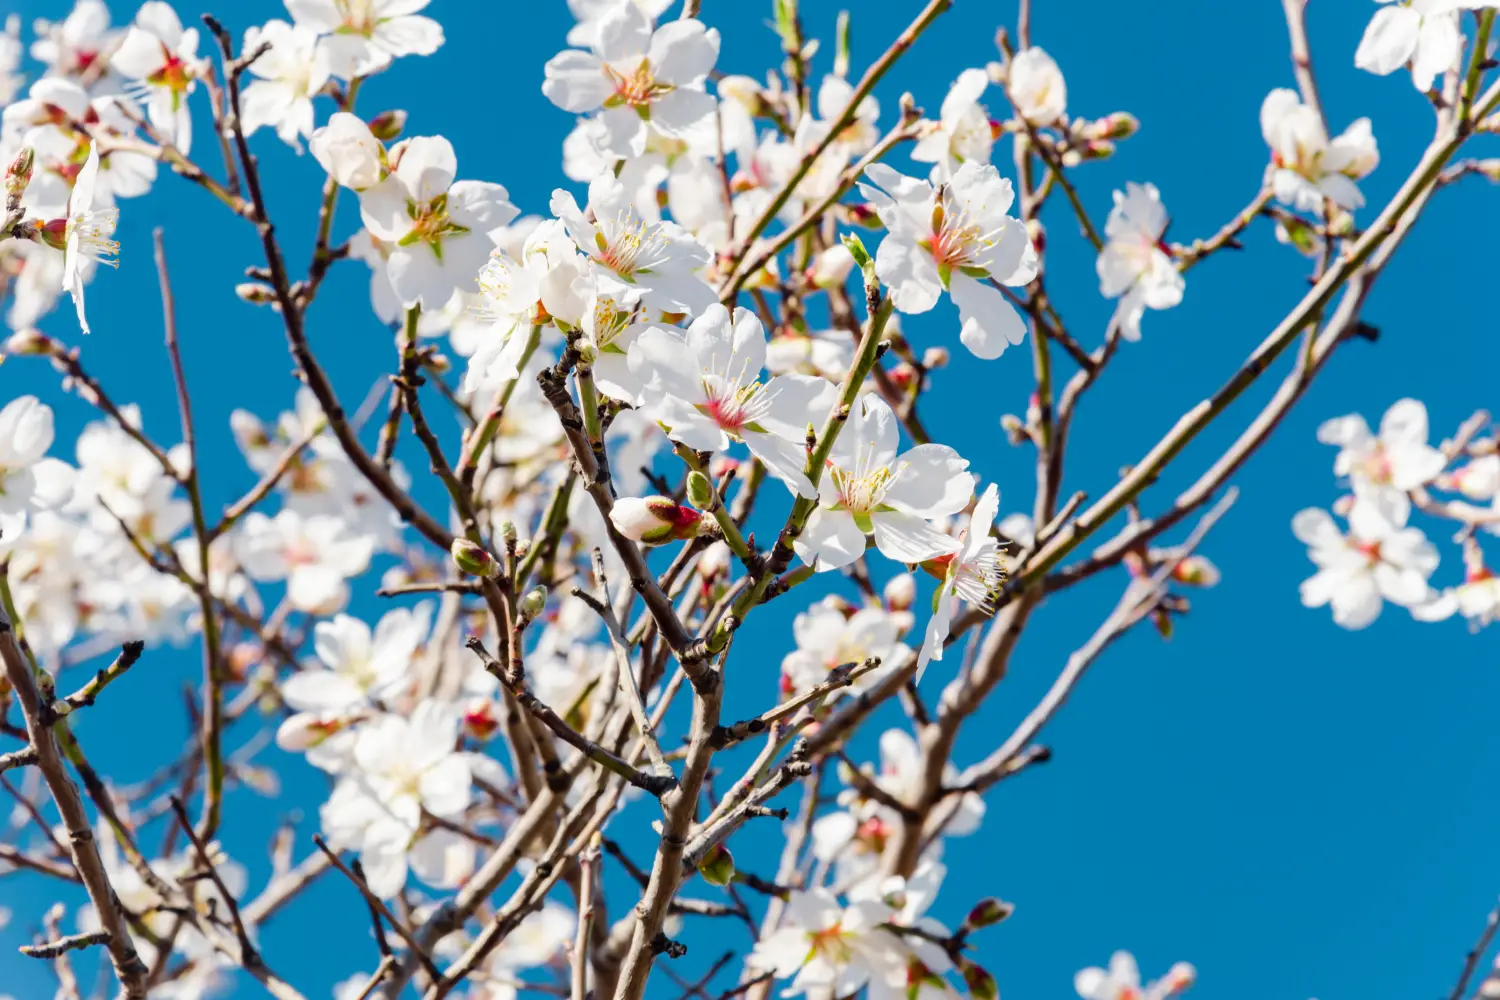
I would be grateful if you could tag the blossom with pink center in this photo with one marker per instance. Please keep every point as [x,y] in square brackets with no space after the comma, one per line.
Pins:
[1380,559]
[705,388]
[1384,468]
[1135,265]
[955,236]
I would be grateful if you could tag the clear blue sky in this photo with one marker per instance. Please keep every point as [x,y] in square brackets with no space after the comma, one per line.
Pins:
[1299,811]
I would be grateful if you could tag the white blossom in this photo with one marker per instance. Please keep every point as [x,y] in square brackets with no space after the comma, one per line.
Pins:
[1306,166]
[1135,266]
[1379,559]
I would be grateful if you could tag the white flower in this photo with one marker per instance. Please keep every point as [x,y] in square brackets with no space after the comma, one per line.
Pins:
[349,151]
[868,490]
[1306,167]
[10,61]
[357,667]
[537,940]
[828,638]
[1477,598]
[1423,33]
[963,132]
[441,230]
[828,353]
[588,14]
[635,75]
[28,479]
[1122,981]
[1477,480]
[314,555]
[955,236]
[972,574]
[860,134]
[363,36]
[86,235]
[1037,87]
[290,72]
[1379,558]
[71,46]
[633,260]
[162,58]
[1384,469]
[832,949]
[705,389]
[1135,266]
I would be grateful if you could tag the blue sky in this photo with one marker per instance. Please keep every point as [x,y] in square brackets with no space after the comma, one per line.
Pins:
[1299,811]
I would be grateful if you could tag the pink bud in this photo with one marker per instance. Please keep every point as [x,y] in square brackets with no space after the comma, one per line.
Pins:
[654,520]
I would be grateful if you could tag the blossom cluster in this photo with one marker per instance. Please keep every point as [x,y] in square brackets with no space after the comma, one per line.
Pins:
[630,406]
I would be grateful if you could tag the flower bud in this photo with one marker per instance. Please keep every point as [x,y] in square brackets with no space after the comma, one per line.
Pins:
[857,251]
[480,718]
[349,151]
[28,342]
[1120,125]
[1178,978]
[474,559]
[988,912]
[981,984]
[18,174]
[715,560]
[864,214]
[1489,168]
[1037,234]
[306,730]
[654,520]
[507,532]
[534,602]
[718,866]
[832,267]
[387,125]
[700,491]
[935,357]
[1015,430]
[1196,571]
[900,592]
[54,233]
[256,293]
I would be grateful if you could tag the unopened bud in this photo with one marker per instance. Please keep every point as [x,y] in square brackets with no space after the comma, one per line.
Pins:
[1178,978]
[1196,571]
[714,561]
[988,912]
[507,532]
[1015,430]
[1120,125]
[474,559]
[480,719]
[1489,168]
[54,233]
[1099,149]
[654,520]
[857,251]
[832,267]
[388,124]
[864,214]
[1037,234]
[28,342]
[255,292]
[900,592]
[981,984]
[718,866]
[306,730]
[1293,231]
[935,357]
[700,491]
[18,173]
[534,602]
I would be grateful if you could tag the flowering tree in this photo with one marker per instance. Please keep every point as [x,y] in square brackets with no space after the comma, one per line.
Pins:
[677,398]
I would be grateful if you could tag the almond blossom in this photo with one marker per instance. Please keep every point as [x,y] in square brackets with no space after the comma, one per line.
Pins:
[161,57]
[314,555]
[588,14]
[363,36]
[28,479]
[72,46]
[1379,559]
[863,131]
[289,73]
[955,236]
[963,132]
[634,75]
[1122,981]
[705,389]
[632,260]
[1135,265]
[1306,166]
[84,235]
[1384,469]
[441,230]
[971,575]
[832,950]
[830,635]
[349,151]
[1036,87]
[1422,33]
[868,489]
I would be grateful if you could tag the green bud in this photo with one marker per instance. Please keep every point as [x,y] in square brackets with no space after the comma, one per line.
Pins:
[988,912]
[18,173]
[981,984]
[473,559]
[508,532]
[841,49]
[718,866]
[388,124]
[534,602]
[700,491]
